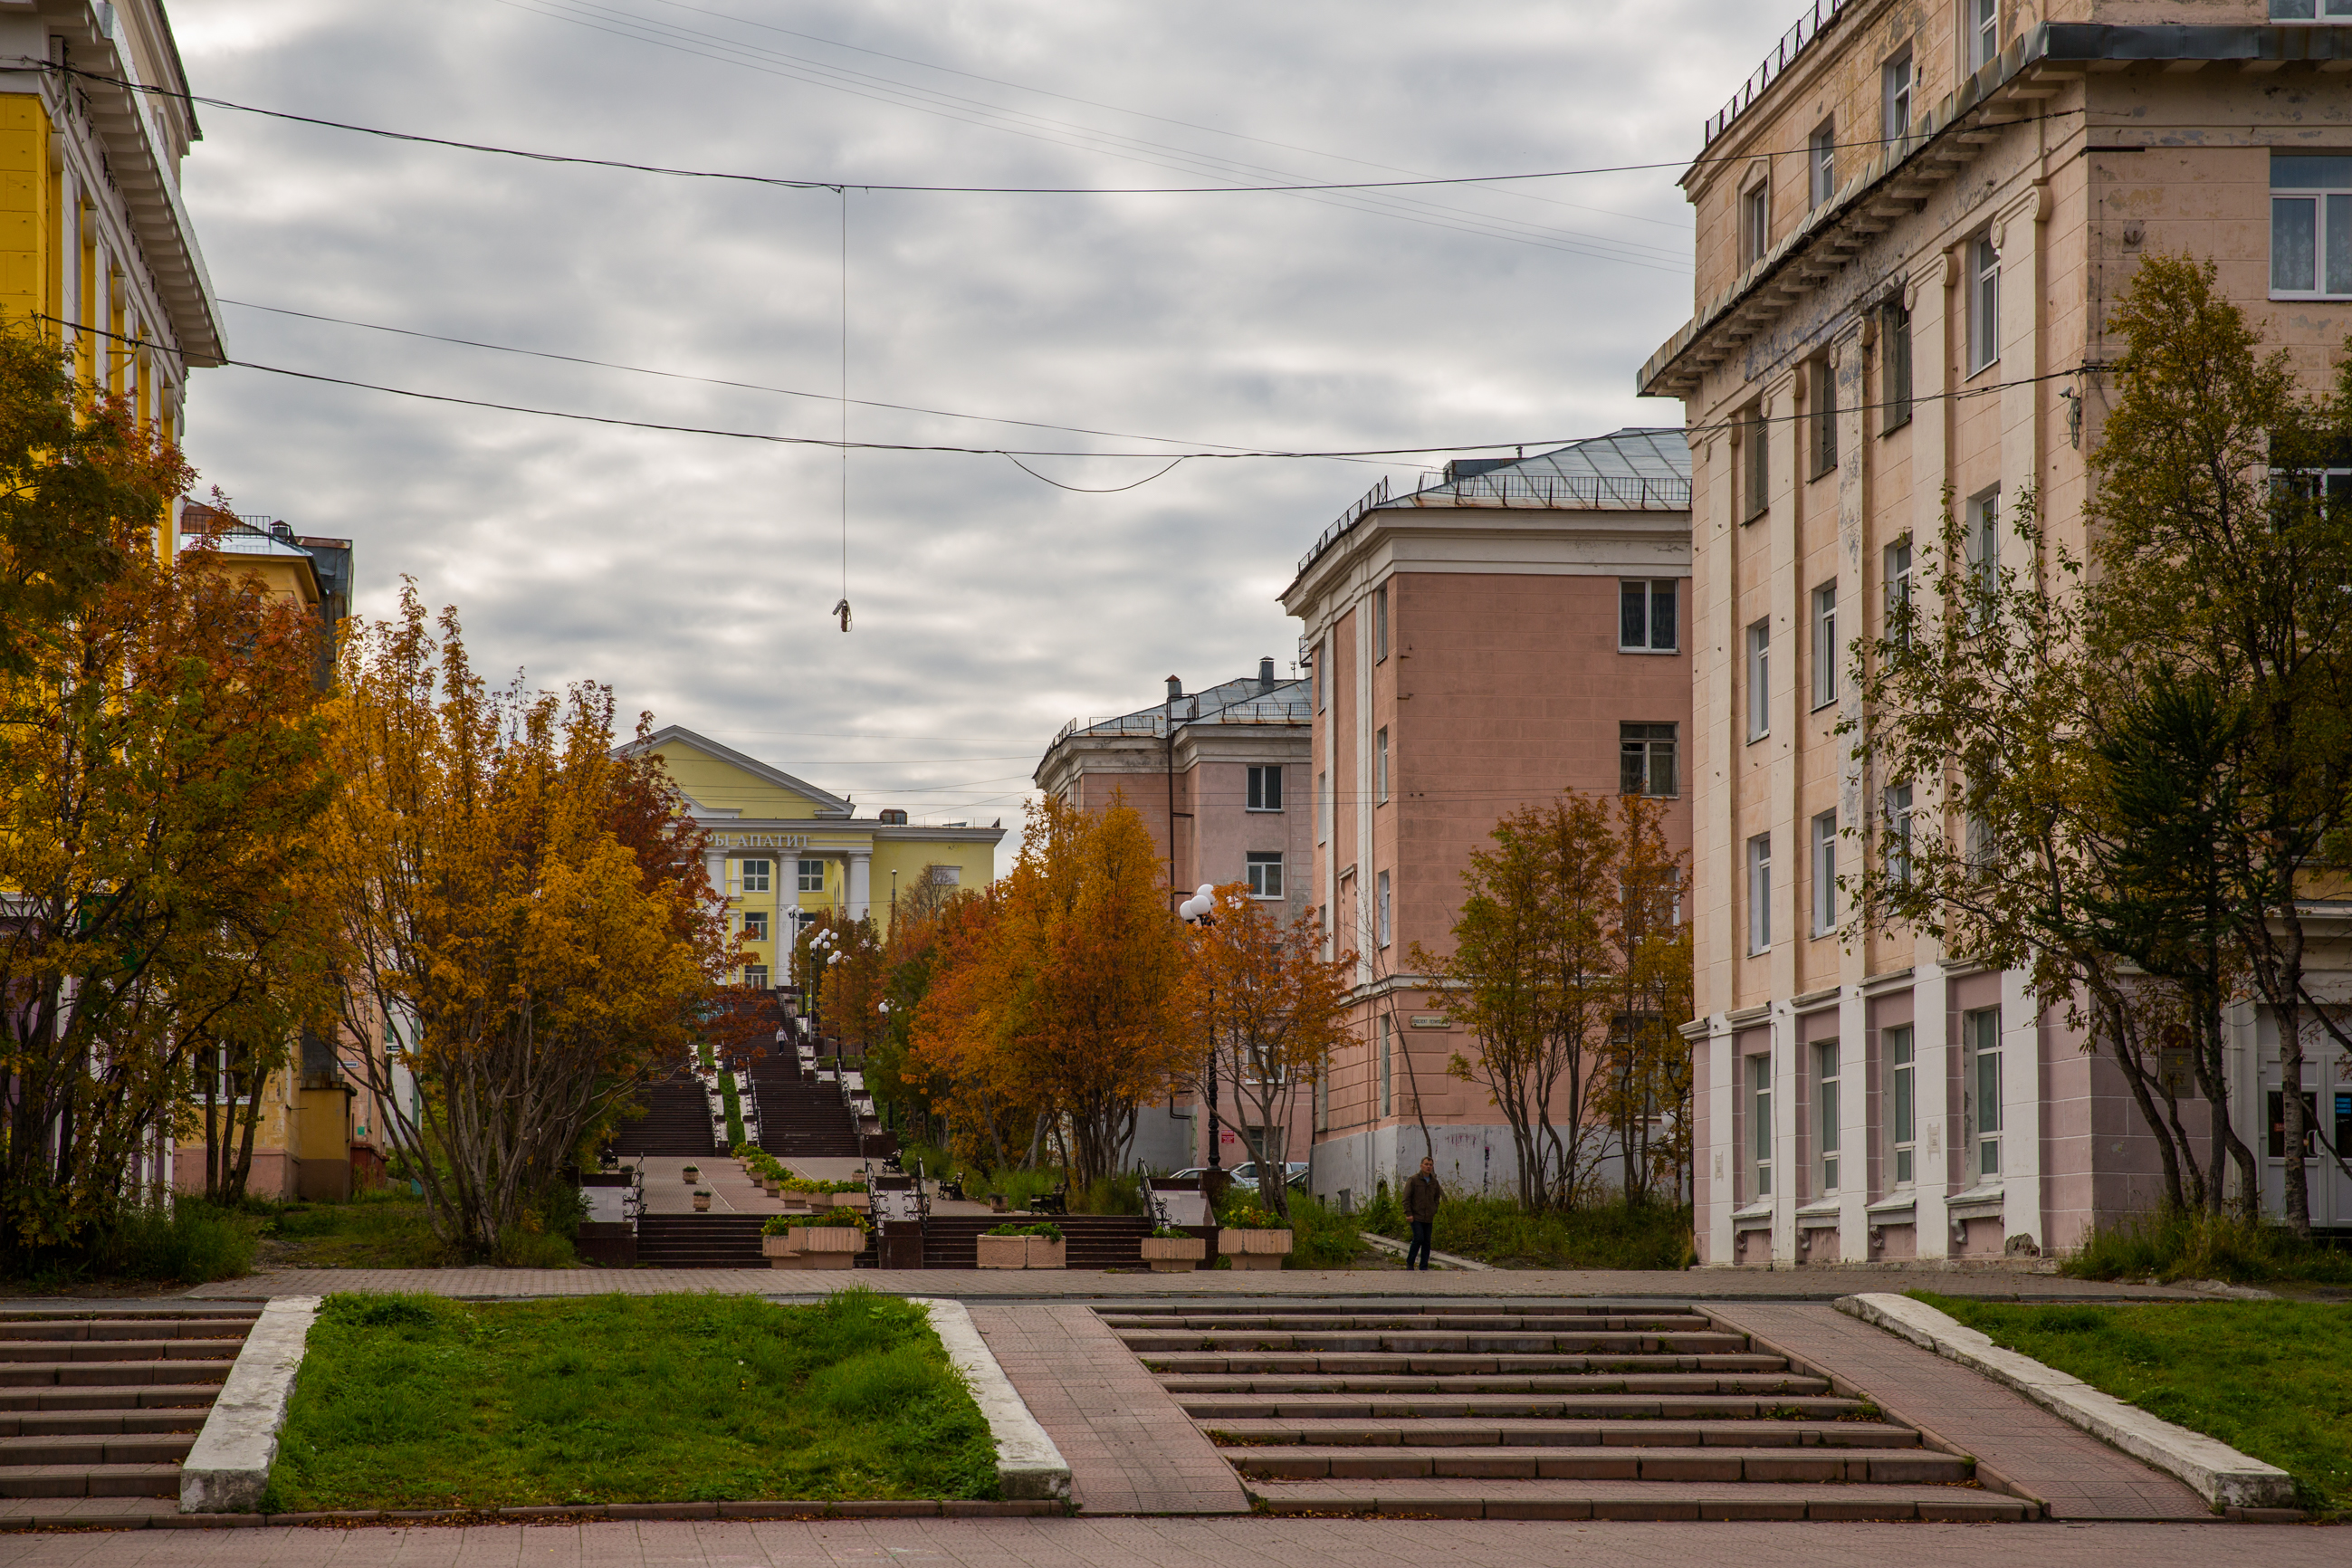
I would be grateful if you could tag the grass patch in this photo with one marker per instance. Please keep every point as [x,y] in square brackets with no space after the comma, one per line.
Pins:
[1498,1231]
[375,1230]
[2195,1244]
[2272,1379]
[187,1243]
[420,1401]
[1320,1235]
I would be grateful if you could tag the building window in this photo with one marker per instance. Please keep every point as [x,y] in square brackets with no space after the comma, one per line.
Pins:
[1646,754]
[1755,223]
[1984,303]
[1825,1109]
[2311,226]
[1266,789]
[1759,893]
[1386,1030]
[1322,687]
[1379,623]
[755,976]
[1381,909]
[1820,161]
[2277,1108]
[755,875]
[1898,591]
[1901,1107]
[1759,680]
[1760,1123]
[1981,1037]
[1646,617]
[1825,912]
[1983,544]
[947,875]
[2311,10]
[1899,836]
[1894,375]
[1896,85]
[1984,33]
[1825,645]
[755,925]
[1322,808]
[1756,468]
[1380,768]
[1265,872]
[812,876]
[1821,378]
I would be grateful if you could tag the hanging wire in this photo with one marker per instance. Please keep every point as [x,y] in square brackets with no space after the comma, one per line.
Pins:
[841,610]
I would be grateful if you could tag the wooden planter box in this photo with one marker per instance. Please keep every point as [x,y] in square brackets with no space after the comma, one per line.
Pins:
[814,1247]
[1022,1252]
[1255,1248]
[1174,1254]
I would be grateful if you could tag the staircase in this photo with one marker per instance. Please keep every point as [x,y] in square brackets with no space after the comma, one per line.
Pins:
[800,1117]
[1536,1411]
[1096,1240]
[99,1407]
[713,1241]
[676,1120]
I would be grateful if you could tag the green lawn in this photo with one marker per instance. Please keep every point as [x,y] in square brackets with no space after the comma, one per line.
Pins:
[1498,1231]
[420,1401]
[2272,1379]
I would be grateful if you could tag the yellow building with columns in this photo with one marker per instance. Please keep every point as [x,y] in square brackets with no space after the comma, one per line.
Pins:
[782,851]
[95,239]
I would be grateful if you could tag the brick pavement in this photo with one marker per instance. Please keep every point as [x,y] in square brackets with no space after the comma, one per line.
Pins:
[1177,1543]
[1130,1449]
[2071,1473]
[1087,1285]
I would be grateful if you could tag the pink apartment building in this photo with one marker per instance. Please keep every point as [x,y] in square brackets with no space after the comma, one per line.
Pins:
[1227,768]
[1476,645]
[1909,222]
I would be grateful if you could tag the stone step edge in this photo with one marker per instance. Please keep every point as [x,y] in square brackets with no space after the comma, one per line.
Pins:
[2220,1474]
[919,1508]
[1649,1509]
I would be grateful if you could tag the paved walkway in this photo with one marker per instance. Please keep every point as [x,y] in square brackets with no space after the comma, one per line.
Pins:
[2070,1473]
[1184,1543]
[1088,1285]
[1130,1449]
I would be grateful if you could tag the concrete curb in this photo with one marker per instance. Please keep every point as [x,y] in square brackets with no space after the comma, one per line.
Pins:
[1443,1259]
[1028,1465]
[2217,1472]
[228,1467]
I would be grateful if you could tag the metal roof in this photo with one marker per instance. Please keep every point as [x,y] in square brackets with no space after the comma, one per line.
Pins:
[1243,701]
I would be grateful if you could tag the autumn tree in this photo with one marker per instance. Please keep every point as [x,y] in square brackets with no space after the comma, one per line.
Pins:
[1273,1009]
[1531,978]
[526,967]
[1644,1075]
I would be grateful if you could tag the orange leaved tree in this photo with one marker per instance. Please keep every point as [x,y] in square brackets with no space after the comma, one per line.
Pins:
[1273,1008]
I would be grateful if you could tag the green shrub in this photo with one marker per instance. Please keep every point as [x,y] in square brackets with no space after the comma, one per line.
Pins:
[1171,1233]
[1119,1192]
[2171,1243]
[1498,1231]
[1322,1238]
[189,1241]
[1240,1211]
[1045,1228]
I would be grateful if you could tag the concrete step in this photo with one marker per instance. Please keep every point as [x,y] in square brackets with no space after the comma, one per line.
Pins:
[90,1480]
[145,1327]
[1376,1431]
[81,1423]
[110,1397]
[1437,1498]
[102,1373]
[45,1449]
[1144,1342]
[1544,1323]
[15,1350]
[1211,1410]
[1788,1382]
[1361,1362]
[1781,1465]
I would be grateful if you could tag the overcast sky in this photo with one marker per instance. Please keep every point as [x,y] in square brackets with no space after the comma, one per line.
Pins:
[696,573]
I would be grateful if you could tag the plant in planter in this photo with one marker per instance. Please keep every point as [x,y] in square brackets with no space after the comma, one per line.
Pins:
[1023,1247]
[831,1240]
[1169,1250]
[702,1200]
[692,1173]
[1253,1238]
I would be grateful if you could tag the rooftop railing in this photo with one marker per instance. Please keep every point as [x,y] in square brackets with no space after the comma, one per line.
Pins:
[1794,42]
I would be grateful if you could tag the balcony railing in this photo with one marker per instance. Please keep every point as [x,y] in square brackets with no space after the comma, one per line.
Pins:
[1817,18]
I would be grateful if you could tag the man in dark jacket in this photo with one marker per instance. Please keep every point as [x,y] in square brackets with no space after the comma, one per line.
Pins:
[1422,1195]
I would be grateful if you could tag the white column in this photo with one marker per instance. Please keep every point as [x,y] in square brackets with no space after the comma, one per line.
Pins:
[1788,1085]
[1722,1124]
[2020,1109]
[861,878]
[1931,1045]
[1776,779]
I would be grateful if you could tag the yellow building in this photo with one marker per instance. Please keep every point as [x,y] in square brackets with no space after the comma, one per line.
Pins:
[95,239]
[782,851]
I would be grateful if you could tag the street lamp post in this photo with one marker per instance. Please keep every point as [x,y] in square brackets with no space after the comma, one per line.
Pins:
[1201,909]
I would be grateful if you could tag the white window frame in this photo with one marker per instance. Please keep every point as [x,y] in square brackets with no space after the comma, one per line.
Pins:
[1639,625]
[755,925]
[1897,574]
[755,977]
[1760,1125]
[1982,19]
[1255,865]
[1825,645]
[1820,417]
[761,870]
[1983,543]
[1760,679]
[1381,908]
[1980,1080]
[1983,272]
[2311,13]
[811,882]
[1760,894]
[1380,767]
[1755,223]
[2329,201]
[1264,786]
[1896,852]
[1644,742]
[1825,910]
[1821,162]
[1898,85]
[1902,1105]
[1825,1115]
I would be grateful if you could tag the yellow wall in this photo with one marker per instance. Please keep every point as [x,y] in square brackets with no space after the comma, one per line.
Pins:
[28,230]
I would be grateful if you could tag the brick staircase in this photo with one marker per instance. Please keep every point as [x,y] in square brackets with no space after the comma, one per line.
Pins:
[800,1117]
[98,1407]
[1096,1240]
[713,1241]
[1536,1411]
[676,1120]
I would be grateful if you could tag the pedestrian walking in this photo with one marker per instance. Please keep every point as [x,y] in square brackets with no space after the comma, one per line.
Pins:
[1422,1195]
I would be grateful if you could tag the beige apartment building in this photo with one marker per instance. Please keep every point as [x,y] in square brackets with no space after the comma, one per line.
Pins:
[1477,645]
[1910,221]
